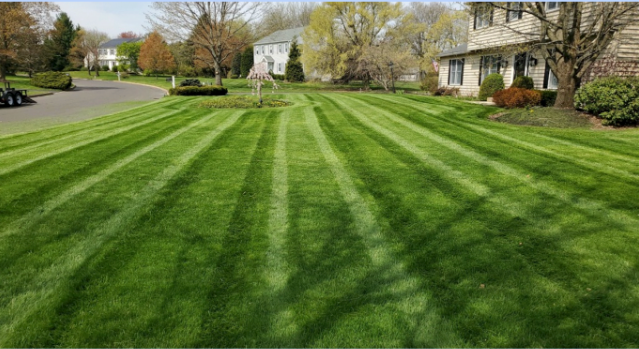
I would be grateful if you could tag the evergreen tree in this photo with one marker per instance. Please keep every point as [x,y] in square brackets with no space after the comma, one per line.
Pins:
[247,61]
[60,41]
[294,70]
[236,65]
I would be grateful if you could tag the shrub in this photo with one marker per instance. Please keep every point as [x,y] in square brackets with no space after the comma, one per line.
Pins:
[243,102]
[104,68]
[147,72]
[190,82]
[429,83]
[446,91]
[614,99]
[198,91]
[278,77]
[523,82]
[515,97]
[124,75]
[54,80]
[187,71]
[235,76]
[548,97]
[84,69]
[70,68]
[115,68]
[491,84]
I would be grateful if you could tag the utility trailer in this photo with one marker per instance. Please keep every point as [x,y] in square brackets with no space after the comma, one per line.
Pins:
[12,97]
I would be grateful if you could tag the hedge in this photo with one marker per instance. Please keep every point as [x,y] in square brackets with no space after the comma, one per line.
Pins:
[523,82]
[54,80]
[614,99]
[515,97]
[198,91]
[491,84]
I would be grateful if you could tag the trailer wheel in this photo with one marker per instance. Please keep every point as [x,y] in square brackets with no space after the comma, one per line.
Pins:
[9,100]
[18,98]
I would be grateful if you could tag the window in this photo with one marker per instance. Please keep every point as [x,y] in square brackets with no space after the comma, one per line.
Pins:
[279,48]
[551,6]
[280,67]
[483,17]
[550,80]
[270,49]
[487,66]
[514,11]
[455,71]
[257,50]
[286,47]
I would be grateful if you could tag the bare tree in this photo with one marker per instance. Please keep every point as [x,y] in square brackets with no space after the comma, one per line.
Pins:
[571,38]
[284,15]
[217,29]
[86,47]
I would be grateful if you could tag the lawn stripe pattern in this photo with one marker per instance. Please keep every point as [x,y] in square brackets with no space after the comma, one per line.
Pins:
[346,219]
[29,301]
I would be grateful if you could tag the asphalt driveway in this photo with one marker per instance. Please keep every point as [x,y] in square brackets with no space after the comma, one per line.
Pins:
[88,99]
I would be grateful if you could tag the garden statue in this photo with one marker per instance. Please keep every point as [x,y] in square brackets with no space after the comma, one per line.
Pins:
[257,75]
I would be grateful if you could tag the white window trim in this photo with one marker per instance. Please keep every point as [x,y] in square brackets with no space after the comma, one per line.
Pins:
[456,72]
[480,15]
[551,77]
[510,13]
[548,9]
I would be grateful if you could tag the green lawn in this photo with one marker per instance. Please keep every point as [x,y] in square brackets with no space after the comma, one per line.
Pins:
[346,220]
[242,86]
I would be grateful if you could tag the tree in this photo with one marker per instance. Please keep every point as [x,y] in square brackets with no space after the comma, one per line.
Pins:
[247,61]
[573,38]
[59,42]
[130,51]
[183,53]
[294,69]
[217,29]
[236,65]
[340,32]
[284,15]
[85,48]
[155,55]
[129,35]
[376,61]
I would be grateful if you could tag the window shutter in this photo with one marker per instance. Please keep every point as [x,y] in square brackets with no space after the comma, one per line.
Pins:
[521,13]
[450,68]
[475,20]
[508,11]
[461,80]
[481,63]
[546,75]
[499,58]
[490,24]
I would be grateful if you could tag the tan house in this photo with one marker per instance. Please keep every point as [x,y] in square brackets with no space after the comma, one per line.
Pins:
[498,42]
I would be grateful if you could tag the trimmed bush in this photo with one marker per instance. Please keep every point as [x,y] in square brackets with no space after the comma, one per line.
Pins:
[491,84]
[548,97]
[190,82]
[515,97]
[198,91]
[523,82]
[104,68]
[54,80]
[614,99]
[278,77]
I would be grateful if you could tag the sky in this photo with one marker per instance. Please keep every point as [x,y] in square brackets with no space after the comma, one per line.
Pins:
[112,18]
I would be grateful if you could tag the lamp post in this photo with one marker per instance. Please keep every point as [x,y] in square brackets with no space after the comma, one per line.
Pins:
[390,65]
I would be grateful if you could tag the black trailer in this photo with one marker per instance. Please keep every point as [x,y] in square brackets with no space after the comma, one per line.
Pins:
[12,97]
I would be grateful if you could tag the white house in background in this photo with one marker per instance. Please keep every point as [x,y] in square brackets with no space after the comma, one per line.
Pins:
[274,48]
[107,52]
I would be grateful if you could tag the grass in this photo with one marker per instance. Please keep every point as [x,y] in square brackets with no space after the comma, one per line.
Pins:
[242,86]
[352,220]
[546,117]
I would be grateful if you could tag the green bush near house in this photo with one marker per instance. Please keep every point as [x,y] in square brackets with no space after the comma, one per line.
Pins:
[198,91]
[491,84]
[190,82]
[523,82]
[55,80]
[548,97]
[614,99]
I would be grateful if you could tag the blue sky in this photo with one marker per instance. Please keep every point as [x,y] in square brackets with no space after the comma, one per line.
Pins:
[112,18]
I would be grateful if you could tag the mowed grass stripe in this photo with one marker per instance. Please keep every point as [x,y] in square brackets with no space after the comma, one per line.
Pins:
[13,141]
[416,304]
[278,215]
[38,213]
[49,280]
[75,145]
[608,167]
[587,205]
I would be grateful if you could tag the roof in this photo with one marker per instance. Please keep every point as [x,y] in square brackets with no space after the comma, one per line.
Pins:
[459,50]
[117,42]
[269,59]
[283,35]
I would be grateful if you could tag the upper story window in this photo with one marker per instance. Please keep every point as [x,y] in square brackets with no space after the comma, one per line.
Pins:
[551,6]
[514,11]
[483,17]
[286,47]
[279,48]
[270,49]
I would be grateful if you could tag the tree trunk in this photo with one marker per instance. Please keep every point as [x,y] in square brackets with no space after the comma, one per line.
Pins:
[2,72]
[567,84]
[218,74]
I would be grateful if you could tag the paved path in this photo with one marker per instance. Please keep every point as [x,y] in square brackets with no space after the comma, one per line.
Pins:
[88,99]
